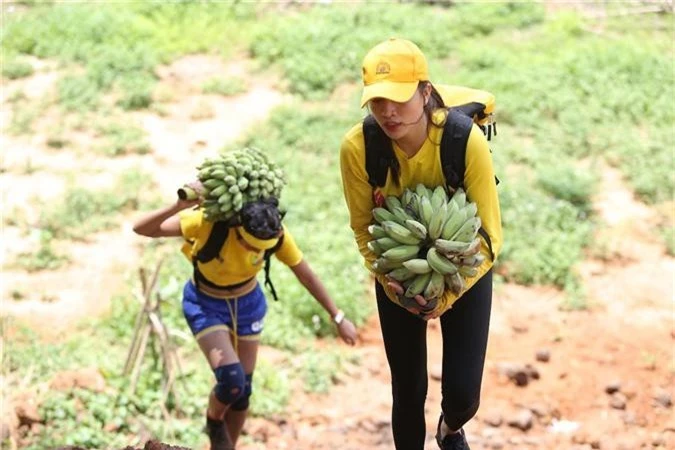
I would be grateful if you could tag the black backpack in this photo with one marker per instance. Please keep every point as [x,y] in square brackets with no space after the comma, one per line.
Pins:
[380,156]
[211,249]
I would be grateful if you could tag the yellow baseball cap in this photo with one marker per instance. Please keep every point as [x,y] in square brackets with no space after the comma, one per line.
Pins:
[260,244]
[392,70]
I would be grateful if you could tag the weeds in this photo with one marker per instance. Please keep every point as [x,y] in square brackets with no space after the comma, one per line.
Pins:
[225,86]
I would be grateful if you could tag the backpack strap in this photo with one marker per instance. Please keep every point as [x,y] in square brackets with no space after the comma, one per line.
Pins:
[453,147]
[379,153]
[211,248]
[267,257]
[456,133]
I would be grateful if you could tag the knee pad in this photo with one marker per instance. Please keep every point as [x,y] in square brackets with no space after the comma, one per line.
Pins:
[230,383]
[242,403]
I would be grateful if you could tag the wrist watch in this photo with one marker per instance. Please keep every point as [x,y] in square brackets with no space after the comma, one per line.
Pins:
[339,317]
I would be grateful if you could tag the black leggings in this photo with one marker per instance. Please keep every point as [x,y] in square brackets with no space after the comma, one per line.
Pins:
[465,334]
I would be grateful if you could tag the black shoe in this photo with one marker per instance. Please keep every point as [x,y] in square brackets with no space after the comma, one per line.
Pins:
[456,441]
[218,436]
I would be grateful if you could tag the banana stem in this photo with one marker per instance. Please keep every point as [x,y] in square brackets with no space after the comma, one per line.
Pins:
[187,193]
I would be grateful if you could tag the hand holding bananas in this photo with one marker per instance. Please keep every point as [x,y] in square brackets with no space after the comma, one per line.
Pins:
[233,179]
[427,242]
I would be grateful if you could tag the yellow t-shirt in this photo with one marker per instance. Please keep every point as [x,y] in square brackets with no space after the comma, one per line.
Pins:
[238,263]
[424,167]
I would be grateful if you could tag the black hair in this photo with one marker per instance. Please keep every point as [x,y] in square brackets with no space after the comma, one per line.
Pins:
[262,218]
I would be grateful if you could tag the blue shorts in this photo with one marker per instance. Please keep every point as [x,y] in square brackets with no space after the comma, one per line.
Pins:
[204,313]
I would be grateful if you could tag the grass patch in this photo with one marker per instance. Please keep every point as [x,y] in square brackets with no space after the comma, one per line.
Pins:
[323,46]
[225,86]
[83,211]
[15,68]
[122,138]
[45,258]
[119,49]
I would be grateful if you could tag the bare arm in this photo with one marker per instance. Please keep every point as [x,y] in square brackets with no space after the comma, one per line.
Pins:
[313,284]
[163,221]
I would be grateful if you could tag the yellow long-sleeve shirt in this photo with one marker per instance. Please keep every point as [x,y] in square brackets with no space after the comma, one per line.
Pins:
[235,263]
[424,167]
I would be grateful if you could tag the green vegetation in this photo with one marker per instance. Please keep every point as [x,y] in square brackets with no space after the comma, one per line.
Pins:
[83,211]
[225,86]
[567,100]
[45,258]
[17,68]
[120,48]
[341,34]
[122,138]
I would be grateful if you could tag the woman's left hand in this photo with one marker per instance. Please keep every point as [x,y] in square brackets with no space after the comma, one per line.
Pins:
[419,306]
[347,331]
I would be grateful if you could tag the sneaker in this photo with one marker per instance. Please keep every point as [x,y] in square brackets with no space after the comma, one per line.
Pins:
[218,436]
[456,441]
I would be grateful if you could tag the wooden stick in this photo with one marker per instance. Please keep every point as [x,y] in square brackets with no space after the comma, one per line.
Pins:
[133,350]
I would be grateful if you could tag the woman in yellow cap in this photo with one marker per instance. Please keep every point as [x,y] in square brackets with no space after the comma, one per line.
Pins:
[411,112]
[223,302]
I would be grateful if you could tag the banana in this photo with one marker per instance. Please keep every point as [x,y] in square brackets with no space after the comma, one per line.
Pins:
[401,274]
[417,265]
[425,210]
[382,215]
[468,271]
[230,180]
[386,243]
[439,197]
[438,218]
[421,190]
[418,285]
[406,197]
[242,182]
[376,231]
[211,183]
[472,248]
[375,248]
[382,265]
[471,209]
[401,214]
[225,200]
[435,287]
[454,222]
[401,253]
[459,197]
[230,170]
[455,283]
[399,233]
[440,263]
[414,205]
[467,232]
[417,228]
[391,202]
[217,191]
[473,260]
[448,247]
[218,173]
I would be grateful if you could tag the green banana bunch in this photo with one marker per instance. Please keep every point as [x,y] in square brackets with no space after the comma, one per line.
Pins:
[235,178]
[427,240]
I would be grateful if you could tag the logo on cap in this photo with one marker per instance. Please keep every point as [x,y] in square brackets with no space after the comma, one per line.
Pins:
[382,68]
